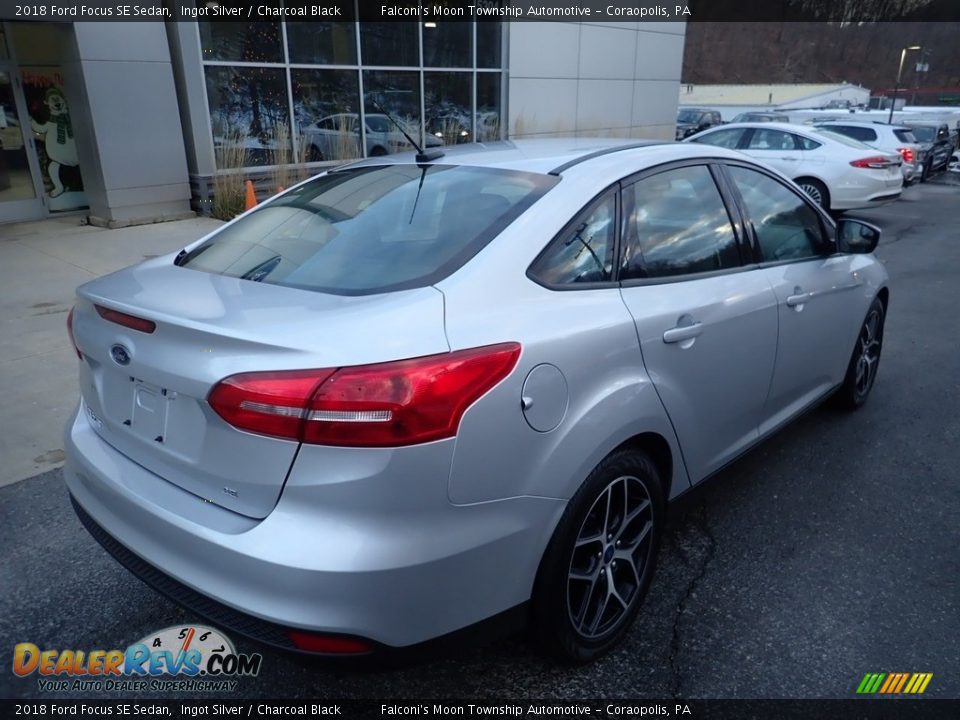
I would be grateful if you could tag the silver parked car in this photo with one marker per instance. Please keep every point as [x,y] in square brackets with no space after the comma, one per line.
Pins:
[405,397]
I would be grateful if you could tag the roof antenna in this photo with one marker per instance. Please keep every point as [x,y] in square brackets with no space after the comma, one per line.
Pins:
[421,155]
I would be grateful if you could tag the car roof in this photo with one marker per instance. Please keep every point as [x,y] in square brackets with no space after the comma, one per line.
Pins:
[561,155]
[785,126]
[873,125]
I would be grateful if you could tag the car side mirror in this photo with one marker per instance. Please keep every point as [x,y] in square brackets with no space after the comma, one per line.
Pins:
[856,236]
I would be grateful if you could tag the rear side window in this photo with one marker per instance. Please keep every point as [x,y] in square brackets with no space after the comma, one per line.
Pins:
[905,136]
[806,143]
[583,252]
[857,133]
[372,229]
[675,223]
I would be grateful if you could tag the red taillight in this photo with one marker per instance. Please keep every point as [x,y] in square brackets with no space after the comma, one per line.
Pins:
[385,405]
[878,162]
[328,643]
[73,339]
[131,321]
[906,154]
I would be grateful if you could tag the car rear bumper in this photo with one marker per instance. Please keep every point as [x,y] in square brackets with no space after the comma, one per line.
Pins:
[395,579]
[865,192]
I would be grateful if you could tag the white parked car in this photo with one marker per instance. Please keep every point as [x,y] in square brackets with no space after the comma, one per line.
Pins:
[890,138]
[337,137]
[837,172]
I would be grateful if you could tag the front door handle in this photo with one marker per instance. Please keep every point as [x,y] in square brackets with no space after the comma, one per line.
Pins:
[788,157]
[798,298]
[682,332]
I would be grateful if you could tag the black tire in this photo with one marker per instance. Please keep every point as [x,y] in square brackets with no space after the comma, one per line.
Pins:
[927,169]
[816,190]
[596,546]
[865,359]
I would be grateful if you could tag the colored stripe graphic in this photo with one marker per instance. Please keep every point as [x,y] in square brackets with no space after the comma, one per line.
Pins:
[894,683]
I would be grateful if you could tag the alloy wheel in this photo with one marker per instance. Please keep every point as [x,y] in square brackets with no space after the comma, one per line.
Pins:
[814,192]
[610,557]
[868,353]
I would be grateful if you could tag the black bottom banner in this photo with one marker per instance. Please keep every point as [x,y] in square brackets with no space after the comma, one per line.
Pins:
[853,709]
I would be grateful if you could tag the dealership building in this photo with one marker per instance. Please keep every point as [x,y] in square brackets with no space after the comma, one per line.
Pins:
[132,122]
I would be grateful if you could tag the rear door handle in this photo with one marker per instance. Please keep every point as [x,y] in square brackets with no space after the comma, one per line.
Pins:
[797,298]
[788,157]
[682,332]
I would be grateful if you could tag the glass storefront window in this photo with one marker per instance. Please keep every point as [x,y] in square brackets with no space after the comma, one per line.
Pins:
[449,111]
[326,105]
[322,43]
[448,44]
[397,93]
[253,84]
[4,53]
[248,110]
[394,44]
[489,118]
[489,36]
[241,42]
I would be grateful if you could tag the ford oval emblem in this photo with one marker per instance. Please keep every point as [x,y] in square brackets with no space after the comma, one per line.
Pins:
[120,355]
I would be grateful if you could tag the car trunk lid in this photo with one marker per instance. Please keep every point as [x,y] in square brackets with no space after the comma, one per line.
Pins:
[145,392]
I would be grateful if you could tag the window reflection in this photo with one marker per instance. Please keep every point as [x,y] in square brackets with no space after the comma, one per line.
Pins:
[322,43]
[448,44]
[584,253]
[489,36]
[243,42]
[389,43]
[326,105]
[248,109]
[397,94]
[787,227]
[446,97]
[488,107]
[676,223]
[248,73]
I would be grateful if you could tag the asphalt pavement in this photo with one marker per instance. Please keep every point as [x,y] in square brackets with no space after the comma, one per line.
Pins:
[831,551]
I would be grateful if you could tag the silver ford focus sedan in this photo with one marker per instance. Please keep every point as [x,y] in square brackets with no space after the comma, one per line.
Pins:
[415,394]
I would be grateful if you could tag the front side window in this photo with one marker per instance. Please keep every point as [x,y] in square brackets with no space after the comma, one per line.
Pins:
[371,229]
[583,253]
[727,138]
[675,223]
[786,227]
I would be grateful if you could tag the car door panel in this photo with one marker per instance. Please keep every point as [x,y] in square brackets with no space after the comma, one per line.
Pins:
[816,292]
[713,378]
[706,326]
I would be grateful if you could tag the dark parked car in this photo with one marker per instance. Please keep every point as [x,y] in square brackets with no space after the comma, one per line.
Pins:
[937,142]
[693,120]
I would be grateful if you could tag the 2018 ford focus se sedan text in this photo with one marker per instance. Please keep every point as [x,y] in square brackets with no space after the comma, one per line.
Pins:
[404,397]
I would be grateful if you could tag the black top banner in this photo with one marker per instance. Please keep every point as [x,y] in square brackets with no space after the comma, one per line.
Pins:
[482,10]
[929,709]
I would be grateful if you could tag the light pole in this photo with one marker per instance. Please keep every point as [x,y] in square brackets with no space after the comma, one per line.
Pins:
[896,87]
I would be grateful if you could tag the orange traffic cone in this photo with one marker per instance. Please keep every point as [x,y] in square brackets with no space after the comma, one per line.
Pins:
[251,196]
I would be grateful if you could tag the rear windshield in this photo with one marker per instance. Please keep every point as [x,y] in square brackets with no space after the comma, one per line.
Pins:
[905,136]
[924,134]
[830,134]
[366,230]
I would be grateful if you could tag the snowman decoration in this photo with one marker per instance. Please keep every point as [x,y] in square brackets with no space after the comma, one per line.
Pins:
[57,133]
